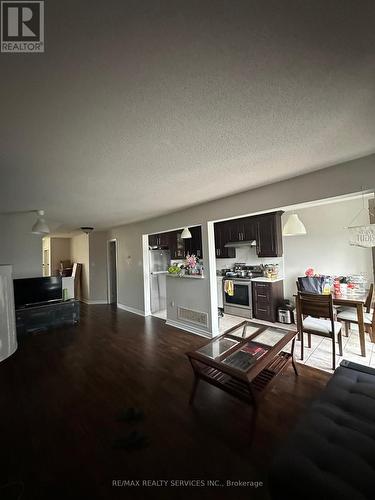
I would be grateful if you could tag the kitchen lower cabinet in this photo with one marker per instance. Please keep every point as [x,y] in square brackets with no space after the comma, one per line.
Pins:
[267,296]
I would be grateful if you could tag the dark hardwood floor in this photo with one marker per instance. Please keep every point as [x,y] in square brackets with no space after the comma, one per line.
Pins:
[61,391]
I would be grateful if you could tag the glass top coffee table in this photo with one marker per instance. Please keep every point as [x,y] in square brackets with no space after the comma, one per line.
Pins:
[244,360]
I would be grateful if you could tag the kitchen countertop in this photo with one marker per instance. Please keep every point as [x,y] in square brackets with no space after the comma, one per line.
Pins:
[187,276]
[261,279]
[267,280]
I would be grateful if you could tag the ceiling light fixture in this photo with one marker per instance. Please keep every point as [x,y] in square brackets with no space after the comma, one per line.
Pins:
[87,229]
[294,226]
[40,226]
[186,234]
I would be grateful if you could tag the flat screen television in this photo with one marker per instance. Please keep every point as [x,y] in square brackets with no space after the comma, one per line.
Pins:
[33,291]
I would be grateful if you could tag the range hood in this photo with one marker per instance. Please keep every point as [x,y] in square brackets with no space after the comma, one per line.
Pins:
[239,244]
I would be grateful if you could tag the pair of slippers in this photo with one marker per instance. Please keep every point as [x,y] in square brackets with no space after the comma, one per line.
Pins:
[135,440]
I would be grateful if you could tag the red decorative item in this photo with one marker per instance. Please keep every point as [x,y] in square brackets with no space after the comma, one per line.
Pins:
[309,272]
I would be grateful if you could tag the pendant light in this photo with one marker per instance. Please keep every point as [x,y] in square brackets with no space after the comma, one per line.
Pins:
[186,234]
[40,226]
[294,226]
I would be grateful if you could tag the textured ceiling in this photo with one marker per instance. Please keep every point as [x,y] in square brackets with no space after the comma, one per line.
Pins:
[139,108]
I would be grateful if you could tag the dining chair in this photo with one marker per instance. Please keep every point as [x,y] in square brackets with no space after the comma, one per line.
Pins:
[311,308]
[349,315]
[314,284]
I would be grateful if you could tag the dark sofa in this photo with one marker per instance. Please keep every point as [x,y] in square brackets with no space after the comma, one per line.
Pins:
[331,453]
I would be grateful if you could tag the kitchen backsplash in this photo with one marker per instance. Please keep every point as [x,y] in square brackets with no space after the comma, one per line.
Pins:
[249,257]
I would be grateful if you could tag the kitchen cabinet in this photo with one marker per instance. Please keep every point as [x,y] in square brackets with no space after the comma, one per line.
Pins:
[264,229]
[269,235]
[222,236]
[267,296]
[176,245]
[244,229]
[159,240]
[153,240]
[193,245]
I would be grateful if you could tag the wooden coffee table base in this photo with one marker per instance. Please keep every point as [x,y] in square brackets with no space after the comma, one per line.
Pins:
[246,391]
[244,361]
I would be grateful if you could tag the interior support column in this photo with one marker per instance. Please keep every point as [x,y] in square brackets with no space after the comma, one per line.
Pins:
[211,275]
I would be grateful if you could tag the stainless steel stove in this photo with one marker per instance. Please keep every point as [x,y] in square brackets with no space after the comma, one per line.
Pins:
[240,303]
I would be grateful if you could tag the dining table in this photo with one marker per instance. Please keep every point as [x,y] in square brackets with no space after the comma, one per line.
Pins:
[355,299]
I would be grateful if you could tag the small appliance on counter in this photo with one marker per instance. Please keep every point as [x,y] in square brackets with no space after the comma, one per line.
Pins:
[271,271]
[285,313]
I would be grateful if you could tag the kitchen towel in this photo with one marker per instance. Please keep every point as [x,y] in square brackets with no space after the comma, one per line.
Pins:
[229,287]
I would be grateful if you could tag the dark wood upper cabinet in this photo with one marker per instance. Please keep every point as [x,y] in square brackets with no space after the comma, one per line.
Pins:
[153,240]
[193,245]
[222,236]
[159,240]
[177,246]
[269,235]
[242,229]
[264,229]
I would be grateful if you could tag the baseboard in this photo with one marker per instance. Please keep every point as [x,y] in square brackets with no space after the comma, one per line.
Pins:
[189,328]
[131,309]
[93,302]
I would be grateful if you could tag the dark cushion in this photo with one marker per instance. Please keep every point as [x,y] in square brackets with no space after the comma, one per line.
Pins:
[314,284]
[331,453]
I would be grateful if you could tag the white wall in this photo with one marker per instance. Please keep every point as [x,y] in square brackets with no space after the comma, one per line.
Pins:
[60,249]
[19,247]
[325,247]
[80,254]
[334,181]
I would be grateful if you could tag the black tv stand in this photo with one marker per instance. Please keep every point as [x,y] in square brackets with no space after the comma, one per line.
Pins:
[43,317]
[38,304]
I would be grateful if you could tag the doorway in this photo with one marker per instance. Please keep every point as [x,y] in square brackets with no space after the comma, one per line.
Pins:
[112,271]
[46,256]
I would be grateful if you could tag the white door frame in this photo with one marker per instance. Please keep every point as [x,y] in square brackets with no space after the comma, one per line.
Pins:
[109,268]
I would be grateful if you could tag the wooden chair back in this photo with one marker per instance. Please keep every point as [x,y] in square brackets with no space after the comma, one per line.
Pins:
[315,305]
[370,298]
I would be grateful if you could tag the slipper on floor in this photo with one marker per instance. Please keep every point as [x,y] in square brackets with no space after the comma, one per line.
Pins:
[135,440]
[130,415]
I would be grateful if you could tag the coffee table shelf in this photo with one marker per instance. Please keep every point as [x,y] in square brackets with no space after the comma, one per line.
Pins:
[243,361]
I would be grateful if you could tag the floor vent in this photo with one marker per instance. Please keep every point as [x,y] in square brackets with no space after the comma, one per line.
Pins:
[199,318]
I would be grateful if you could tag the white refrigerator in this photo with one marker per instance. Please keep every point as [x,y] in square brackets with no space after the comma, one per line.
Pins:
[8,337]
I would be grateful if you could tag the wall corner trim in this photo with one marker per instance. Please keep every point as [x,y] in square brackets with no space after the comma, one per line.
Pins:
[189,328]
[133,310]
